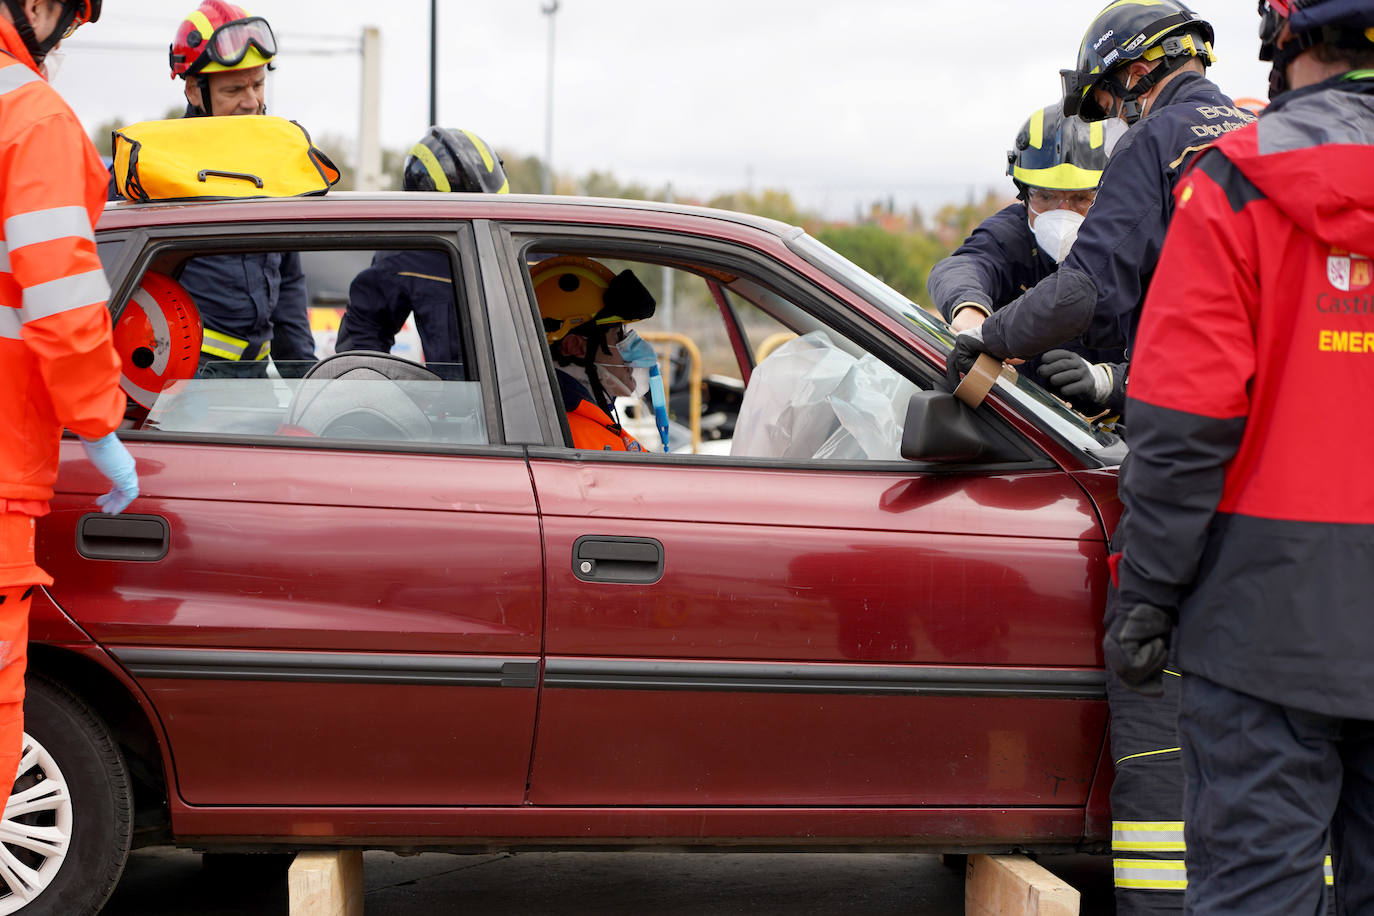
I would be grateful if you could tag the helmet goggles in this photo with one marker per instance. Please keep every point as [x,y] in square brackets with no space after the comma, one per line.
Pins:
[1273,15]
[230,43]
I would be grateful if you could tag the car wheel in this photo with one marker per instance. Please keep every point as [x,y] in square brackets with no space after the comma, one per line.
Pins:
[68,823]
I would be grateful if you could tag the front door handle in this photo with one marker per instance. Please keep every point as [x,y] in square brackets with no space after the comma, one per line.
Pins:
[617,559]
[139,538]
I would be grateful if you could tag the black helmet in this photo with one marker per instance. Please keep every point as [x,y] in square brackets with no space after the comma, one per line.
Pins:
[1125,32]
[1343,23]
[454,160]
[1052,151]
[75,13]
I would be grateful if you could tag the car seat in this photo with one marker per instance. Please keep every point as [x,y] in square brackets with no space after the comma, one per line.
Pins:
[328,405]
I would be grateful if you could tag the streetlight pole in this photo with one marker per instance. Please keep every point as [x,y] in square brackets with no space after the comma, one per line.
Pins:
[549,10]
[433,61]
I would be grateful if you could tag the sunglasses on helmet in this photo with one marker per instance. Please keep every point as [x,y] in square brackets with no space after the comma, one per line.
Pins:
[229,44]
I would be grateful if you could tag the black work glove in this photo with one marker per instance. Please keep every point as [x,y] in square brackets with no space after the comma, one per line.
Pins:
[1074,378]
[967,346]
[1137,645]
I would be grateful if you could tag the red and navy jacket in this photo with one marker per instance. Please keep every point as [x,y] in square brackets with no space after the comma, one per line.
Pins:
[1248,504]
[1097,291]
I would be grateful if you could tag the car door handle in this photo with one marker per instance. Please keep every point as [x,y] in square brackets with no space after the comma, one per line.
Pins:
[617,559]
[139,538]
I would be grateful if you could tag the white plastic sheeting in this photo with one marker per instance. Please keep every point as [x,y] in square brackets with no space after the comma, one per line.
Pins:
[811,399]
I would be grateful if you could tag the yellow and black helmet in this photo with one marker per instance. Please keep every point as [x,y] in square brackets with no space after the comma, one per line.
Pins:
[573,291]
[1128,30]
[1052,151]
[454,160]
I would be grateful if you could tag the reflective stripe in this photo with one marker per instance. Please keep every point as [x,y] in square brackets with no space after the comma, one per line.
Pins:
[1163,750]
[226,346]
[45,225]
[1326,867]
[65,293]
[1150,874]
[4,257]
[9,322]
[14,76]
[1147,836]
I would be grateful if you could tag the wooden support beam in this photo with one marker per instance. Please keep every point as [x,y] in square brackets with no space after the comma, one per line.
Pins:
[1013,886]
[326,883]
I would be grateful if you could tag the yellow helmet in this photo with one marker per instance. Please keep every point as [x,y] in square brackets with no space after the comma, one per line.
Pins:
[573,291]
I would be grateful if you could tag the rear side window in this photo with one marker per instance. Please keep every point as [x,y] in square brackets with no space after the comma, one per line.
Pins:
[362,346]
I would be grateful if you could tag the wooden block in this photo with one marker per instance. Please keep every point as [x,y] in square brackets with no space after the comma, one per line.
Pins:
[1014,886]
[326,883]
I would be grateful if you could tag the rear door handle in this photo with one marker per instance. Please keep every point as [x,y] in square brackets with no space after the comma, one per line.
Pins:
[138,538]
[617,559]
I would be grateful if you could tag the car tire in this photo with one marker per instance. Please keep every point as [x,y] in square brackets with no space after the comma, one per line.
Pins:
[79,810]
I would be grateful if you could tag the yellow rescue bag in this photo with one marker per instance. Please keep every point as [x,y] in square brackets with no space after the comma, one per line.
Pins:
[205,158]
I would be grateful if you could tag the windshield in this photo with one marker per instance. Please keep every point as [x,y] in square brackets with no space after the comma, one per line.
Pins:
[1016,389]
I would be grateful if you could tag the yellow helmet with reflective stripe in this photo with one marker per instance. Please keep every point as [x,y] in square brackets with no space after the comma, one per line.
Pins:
[1052,151]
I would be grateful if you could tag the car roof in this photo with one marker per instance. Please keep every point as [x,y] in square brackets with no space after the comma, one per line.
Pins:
[430,205]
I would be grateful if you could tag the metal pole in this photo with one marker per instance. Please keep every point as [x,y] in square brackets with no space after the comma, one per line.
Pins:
[369,126]
[547,184]
[433,61]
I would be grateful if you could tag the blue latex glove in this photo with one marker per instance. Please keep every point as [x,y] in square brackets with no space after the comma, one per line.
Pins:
[114,461]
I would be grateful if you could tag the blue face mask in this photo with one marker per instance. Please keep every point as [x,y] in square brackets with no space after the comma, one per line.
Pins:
[636,351]
[639,354]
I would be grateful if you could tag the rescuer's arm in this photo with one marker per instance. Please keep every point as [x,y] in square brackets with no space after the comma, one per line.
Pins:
[371,321]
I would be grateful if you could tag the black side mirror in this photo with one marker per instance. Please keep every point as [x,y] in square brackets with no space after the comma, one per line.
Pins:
[941,428]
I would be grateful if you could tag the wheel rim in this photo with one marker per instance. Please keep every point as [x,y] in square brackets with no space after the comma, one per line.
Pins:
[36,832]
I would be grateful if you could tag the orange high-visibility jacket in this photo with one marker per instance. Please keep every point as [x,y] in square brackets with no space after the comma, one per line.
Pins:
[592,428]
[58,365]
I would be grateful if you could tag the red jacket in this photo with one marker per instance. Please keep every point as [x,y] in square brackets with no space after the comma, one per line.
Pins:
[1249,500]
[58,365]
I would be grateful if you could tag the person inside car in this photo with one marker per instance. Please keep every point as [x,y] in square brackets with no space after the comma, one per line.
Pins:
[399,284]
[250,304]
[584,308]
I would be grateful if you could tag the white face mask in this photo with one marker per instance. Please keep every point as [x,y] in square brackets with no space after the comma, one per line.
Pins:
[1055,231]
[1112,130]
[52,64]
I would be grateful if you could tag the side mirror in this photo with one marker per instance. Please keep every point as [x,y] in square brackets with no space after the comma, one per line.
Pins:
[941,428]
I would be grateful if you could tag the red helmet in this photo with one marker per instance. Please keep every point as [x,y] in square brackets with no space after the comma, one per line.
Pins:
[158,338]
[218,37]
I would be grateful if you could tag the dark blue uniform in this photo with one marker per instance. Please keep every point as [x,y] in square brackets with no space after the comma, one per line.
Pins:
[1097,293]
[397,285]
[1098,290]
[998,262]
[258,298]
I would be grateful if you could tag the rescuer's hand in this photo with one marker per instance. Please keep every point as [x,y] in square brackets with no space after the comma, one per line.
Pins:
[967,346]
[113,460]
[1074,378]
[967,315]
[1137,645]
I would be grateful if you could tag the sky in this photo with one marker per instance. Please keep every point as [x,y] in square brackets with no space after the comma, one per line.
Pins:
[840,103]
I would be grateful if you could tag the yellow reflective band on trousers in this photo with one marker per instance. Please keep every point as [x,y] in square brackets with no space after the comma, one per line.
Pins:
[1150,874]
[226,346]
[1330,876]
[1147,836]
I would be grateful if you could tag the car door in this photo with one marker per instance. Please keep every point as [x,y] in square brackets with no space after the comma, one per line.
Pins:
[321,616]
[754,631]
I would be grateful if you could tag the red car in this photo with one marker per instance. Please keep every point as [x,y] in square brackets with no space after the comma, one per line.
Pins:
[401,611]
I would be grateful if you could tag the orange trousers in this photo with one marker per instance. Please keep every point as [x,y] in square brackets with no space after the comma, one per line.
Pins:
[18,579]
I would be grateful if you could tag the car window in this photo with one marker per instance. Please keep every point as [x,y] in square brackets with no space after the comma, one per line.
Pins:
[748,371]
[348,344]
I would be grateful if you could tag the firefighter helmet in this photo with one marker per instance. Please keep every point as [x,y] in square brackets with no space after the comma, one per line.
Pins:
[454,160]
[573,291]
[219,37]
[1151,30]
[75,13]
[1052,151]
[1343,23]
[158,338]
